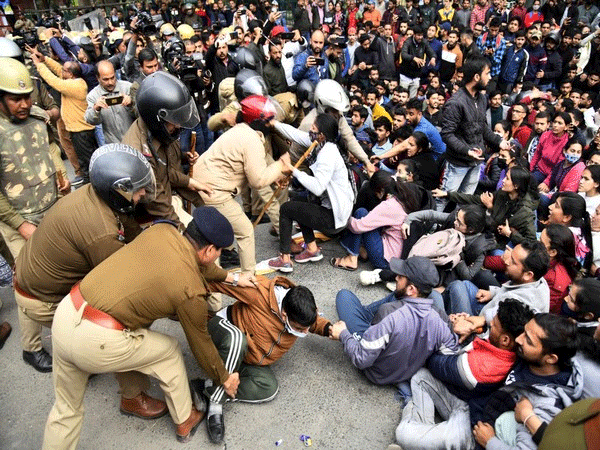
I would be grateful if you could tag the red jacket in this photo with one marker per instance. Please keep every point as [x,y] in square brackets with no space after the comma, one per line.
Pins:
[558,281]
[488,364]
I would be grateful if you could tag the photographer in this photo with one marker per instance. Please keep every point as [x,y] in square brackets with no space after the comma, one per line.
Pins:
[109,104]
[86,55]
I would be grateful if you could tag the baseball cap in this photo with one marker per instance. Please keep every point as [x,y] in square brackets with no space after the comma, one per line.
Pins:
[418,269]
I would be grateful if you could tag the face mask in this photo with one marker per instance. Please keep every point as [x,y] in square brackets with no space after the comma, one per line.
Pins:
[314,136]
[502,163]
[293,332]
[566,311]
[536,7]
[572,158]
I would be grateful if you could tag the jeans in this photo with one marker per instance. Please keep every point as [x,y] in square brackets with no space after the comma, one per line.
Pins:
[371,240]
[418,428]
[460,296]
[357,317]
[412,84]
[458,179]
[538,176]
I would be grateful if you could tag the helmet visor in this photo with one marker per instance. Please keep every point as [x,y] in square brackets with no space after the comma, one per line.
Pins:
[185,116]
[128,188]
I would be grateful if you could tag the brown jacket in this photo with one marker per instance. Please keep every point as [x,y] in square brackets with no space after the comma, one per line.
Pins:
[257,314]
[166,164]
[159,275]
[78,233]
[234,160]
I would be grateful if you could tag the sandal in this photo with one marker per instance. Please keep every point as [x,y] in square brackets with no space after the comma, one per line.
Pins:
[335,263]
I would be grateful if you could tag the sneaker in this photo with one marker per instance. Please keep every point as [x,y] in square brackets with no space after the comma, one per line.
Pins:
[307,256]
[368,277]
[279,264]
[391,286]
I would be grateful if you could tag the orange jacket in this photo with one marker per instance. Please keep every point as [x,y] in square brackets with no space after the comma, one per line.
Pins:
[257,314]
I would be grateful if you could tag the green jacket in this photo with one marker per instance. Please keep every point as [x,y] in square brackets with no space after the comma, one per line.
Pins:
[520,214]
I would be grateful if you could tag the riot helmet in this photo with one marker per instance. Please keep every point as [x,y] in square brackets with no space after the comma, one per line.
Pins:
[117,172]
[164,98]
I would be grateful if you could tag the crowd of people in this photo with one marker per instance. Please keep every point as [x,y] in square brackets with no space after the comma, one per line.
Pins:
[452,148]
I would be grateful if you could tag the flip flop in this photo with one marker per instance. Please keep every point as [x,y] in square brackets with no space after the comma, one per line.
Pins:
[339,266]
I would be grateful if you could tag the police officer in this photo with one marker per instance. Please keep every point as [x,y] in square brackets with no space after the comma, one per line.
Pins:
[237,159]
[103,324]
[28,181]
[79,232]
[165,106]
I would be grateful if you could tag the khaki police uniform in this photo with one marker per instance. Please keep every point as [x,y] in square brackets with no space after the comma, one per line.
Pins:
[102,326]
[166,164]
[235,160]
[76,235]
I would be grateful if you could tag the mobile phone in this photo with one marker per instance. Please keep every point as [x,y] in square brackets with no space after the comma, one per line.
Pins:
[286,35]
[114,100]
[233,34]
[88,23]
[319,61]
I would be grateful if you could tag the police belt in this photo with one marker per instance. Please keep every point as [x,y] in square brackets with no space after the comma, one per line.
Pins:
[92,314]
[21,292]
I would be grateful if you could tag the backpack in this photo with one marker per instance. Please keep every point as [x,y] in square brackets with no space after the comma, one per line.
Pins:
[443,248]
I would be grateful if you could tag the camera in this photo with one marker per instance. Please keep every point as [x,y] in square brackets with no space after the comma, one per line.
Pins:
[178,63]
[145,23]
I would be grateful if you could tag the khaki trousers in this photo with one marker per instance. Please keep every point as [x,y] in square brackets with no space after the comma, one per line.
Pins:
[33,314]
[13,239]
[242,229]
[82,348]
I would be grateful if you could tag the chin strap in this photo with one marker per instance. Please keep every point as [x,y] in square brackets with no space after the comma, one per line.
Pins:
[151,148]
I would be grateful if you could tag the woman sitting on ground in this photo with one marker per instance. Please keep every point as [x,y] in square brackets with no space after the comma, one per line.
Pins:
[377,231]
[511,208]
[565,175]
[330,204]
[589,188]
[569,209]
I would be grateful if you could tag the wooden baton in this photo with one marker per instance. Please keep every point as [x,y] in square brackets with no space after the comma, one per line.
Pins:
[278,190]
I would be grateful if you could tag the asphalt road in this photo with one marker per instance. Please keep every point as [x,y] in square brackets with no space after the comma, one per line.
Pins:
[320,393]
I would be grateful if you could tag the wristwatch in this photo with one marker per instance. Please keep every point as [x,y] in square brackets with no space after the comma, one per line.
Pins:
[236,278]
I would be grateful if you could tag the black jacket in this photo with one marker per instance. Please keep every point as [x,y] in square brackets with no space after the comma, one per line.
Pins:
[553,69]
[464,127]
[412,50]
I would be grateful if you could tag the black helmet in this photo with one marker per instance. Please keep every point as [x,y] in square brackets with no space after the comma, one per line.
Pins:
[118,171]
[249,82]
[554,36]
[247,59]
[305,92]
[163,98]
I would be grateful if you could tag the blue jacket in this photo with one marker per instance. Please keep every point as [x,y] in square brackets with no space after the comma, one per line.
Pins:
[87,70]
[314,74]
[514,64]
[435,139]
[394,349]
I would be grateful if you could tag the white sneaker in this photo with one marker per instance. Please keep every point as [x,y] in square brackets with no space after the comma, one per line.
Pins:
[368,277]
[391,285]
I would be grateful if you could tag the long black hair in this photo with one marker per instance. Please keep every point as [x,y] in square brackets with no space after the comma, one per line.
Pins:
[522,181]
[573,204]
[405,196]
[562,240]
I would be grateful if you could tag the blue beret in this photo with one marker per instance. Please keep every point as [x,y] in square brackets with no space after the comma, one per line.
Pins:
[214,226]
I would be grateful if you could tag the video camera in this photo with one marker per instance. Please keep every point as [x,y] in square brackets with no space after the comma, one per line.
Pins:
[145,23]
[178,63]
